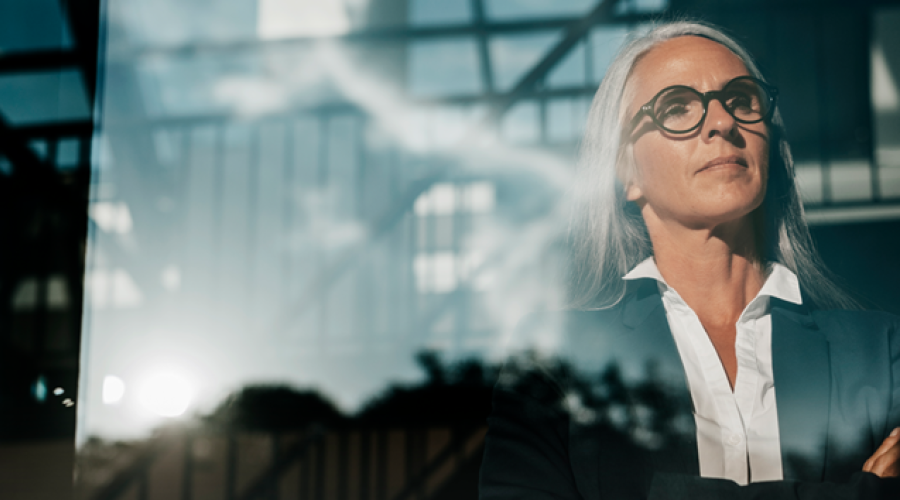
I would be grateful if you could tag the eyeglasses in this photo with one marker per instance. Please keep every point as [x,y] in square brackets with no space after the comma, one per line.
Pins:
[680,109]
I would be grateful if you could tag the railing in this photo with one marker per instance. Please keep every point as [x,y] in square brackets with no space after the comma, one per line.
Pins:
[320,464]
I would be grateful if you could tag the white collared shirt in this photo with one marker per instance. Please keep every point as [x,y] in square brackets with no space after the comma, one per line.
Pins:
[737,432]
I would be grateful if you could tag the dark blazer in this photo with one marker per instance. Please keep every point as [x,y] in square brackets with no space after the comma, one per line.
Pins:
[569,426]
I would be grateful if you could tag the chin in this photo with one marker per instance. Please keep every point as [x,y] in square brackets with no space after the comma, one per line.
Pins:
[730,210]
[738,214]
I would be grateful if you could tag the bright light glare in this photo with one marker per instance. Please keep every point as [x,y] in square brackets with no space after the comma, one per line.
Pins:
[113,390]
[166,394]
[288,18]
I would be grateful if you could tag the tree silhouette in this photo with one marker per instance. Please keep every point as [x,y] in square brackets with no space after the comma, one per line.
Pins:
[274,408]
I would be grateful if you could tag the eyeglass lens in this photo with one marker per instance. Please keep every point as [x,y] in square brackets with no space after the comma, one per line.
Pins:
[681,109]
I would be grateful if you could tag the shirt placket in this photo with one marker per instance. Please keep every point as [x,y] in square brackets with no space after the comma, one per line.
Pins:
[733,434]
[748,378]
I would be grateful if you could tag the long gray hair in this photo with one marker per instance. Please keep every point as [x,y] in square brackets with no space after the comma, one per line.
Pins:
[608,235]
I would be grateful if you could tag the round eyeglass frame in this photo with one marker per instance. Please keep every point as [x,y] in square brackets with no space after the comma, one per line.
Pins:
[705,98]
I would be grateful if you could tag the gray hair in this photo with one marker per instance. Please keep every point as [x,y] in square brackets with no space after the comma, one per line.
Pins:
[608,235]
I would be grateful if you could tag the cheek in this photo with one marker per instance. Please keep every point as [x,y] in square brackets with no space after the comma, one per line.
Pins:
[647,157]
[656,163]
[762,152]
[763,176]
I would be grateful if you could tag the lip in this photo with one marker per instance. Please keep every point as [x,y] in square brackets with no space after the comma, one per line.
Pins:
[724,160]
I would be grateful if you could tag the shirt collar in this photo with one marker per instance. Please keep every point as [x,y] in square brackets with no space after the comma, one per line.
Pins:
[781,282]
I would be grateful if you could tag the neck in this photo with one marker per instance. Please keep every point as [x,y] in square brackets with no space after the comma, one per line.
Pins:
[715,270]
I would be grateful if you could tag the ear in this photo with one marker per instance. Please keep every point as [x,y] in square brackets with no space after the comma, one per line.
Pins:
[633,192]
[626,173]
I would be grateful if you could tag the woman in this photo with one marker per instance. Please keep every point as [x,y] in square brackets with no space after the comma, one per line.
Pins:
[689,203]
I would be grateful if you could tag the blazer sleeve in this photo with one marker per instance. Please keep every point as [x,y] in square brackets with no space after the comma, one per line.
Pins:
[894,349]
[526,455]
[862,486]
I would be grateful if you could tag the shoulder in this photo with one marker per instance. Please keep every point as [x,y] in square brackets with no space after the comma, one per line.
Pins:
[857,326]
[570,321]
[549,342]
[869,339]
[558,332]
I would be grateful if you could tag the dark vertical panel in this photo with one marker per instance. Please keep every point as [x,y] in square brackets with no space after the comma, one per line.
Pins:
[187,476]
[306,474]
[381,455]
[484,55]
[365,439]
[795,75]
[320,469]
[231,459]
[144,486]
[343,464]
[409,455]
[863,255]
[274,486]
[822,102]
[845,73]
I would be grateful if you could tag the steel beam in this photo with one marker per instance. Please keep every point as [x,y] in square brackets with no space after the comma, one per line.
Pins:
[44,60]
[576,31]
[126,54]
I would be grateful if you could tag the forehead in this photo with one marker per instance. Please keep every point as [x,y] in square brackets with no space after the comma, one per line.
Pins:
[688,60]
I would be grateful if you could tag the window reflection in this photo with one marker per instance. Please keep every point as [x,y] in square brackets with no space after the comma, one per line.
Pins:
[41,97]
[517,9]
[318,244]
[437,12]
[442,67]
[514,55]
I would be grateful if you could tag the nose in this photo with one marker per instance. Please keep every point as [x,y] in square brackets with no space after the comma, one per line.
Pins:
[718,121]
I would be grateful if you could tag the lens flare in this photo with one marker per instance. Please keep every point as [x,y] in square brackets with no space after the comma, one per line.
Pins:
[113,390]
[166,394]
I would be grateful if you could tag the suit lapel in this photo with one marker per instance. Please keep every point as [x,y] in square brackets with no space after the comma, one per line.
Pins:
[645,316]
[601,467]
[802,389]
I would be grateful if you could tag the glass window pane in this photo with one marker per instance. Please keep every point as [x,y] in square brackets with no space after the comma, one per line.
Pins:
[174,22]
[605,43]
[443,67]
[571,70]
[512,56]
[514,9]
[32,25]
[521,124]
[640,6]
[431,12]
[44,97]
[300,18]
[565,119]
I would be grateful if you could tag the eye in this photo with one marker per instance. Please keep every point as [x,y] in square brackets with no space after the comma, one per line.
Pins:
[740,101]
[678,109]
[674,106]
[673,109]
